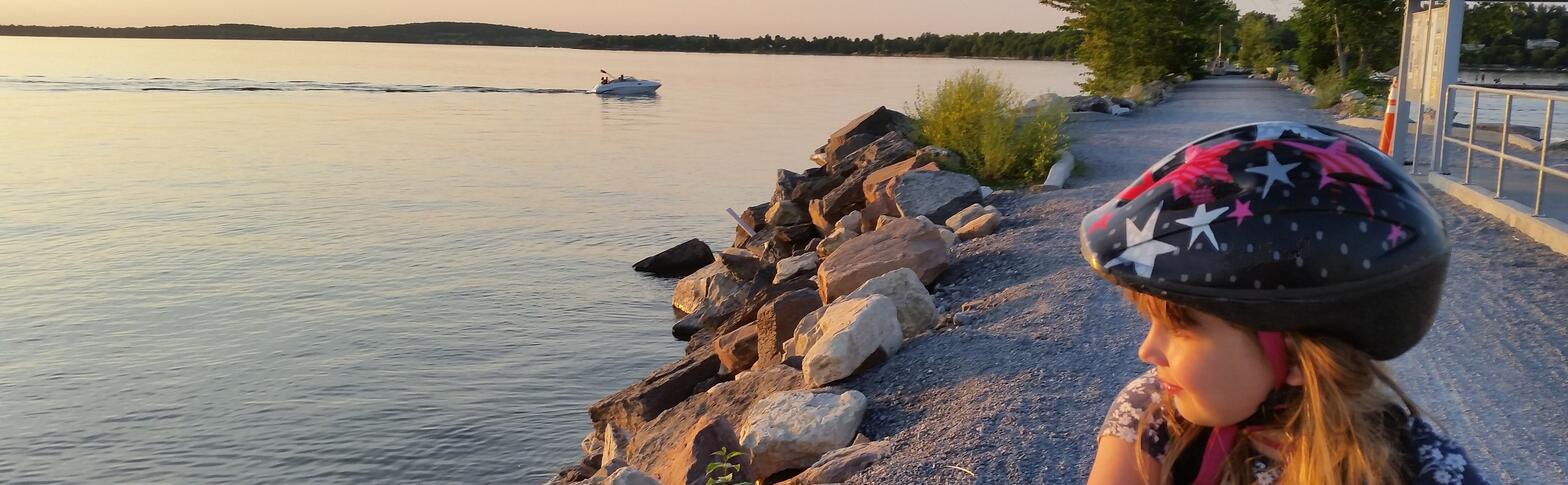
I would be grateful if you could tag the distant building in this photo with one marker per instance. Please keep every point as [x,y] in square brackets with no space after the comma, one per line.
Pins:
[1541,44]
[1471,47]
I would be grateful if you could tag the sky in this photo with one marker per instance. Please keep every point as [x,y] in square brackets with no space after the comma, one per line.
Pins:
[728,18]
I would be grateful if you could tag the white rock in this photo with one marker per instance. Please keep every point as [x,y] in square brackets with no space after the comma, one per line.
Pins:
[850,220]
[964,216]
[630,476]
[950,237]
[982,226]
[985,192]
[792,429]
[916,309]
[789,267]
[846,335]
[711,284]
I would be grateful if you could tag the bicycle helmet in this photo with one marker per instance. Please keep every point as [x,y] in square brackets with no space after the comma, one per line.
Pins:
[1280,226]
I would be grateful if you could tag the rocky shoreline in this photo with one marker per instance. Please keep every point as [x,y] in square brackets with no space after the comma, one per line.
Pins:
[824,282]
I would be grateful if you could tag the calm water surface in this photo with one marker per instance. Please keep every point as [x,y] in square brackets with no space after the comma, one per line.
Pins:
[320,262]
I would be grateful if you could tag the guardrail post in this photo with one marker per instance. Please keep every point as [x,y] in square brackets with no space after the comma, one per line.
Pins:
[1502,153]
[1546,144]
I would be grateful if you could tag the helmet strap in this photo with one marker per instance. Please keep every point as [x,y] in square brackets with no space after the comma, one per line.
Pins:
[1222,438]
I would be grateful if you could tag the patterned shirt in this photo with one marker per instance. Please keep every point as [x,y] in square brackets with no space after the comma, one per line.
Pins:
[1433,458]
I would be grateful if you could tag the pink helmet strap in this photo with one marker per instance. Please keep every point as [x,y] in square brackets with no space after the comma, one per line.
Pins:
[1222,438]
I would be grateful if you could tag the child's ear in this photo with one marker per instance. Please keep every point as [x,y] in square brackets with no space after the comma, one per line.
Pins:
[1293,378]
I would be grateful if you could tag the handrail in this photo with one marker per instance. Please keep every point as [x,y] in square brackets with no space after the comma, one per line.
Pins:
[1441,134]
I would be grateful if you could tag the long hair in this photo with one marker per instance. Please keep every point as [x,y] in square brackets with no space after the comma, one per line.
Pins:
[1335,428]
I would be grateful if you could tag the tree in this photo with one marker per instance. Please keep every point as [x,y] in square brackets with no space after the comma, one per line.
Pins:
[1257,45]
[1128,43]
[1369,29]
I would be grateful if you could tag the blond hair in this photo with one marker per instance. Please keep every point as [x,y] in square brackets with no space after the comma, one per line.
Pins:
[1335,427]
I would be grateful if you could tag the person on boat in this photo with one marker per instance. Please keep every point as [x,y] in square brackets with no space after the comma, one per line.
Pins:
[604,80]
[1278,264]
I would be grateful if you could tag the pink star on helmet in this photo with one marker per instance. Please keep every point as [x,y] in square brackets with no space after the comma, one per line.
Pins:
[1395,233]
[1102,223]
[1241,212]
[1336,160]
[1197,163]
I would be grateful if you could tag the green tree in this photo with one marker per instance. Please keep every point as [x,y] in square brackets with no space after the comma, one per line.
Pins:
[1257,44]
[1131,42]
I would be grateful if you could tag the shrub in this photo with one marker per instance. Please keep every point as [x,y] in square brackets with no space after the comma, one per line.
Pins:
[722,471]
[982,119]
[1328,87]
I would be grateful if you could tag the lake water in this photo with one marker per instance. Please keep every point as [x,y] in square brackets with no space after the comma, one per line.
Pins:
[234,261]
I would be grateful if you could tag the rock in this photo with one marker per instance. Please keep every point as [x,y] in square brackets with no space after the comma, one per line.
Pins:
[1057,176]
[630,476]
[762,292]
[1047,105]
[850,220]
[776,322]
[949,237]
[785,182]
[711,285]
[737,350]
[916,308]
[982,226]
[874,123]
[792,430]
[791,266]
[653,444]
[786,213]
[904,243]
[1353,96]
[937,195]
[687,463]
[879,194]
[633,406]
[818,219]
[742,265]
[679,261]
[1090,103]
[851,145]
[1123,102]
[834,241]
[847,334]
[889,149]
[614,438]
[813,187]
[941,157]
[883,220]
[751,218]
[571,474]
[974,211]
[593,443]
[609,468]
[838,465]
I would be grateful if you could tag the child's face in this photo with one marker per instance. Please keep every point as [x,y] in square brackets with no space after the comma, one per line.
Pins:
[1214,373]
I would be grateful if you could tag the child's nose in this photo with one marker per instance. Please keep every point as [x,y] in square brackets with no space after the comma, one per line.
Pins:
[1149,351]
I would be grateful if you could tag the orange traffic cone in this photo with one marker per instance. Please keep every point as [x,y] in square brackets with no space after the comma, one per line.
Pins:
[1386,142]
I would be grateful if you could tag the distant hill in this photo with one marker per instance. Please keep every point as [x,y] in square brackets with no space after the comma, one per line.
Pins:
[1057,45]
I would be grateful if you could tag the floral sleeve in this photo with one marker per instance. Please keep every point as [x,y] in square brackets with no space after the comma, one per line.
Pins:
[1135,400]
[1439,460]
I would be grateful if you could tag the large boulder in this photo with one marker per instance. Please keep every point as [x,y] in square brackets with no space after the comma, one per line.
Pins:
[838,465]
[777,320]
[847,334]
[709,286]
[762,293]
[742,265]
[874,123]
[1048,105]
[792,430]
[904,243]
[879,193]
[682,260]
[810,188]
[786,213]
[614,438]
[737,350]
[687,462]
[633,406]
[916,309]
[937,195]
[850,145]
[654,442]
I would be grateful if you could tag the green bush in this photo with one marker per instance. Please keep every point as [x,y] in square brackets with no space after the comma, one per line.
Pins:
[982,119]
[1329,87]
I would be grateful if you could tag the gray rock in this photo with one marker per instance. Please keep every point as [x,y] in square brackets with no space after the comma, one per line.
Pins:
[793,429]
[711,285]
[794,265]
[742,265]
[679,261]
[838,465]
[936,195]
[982,226]
[916,308]
[630,476]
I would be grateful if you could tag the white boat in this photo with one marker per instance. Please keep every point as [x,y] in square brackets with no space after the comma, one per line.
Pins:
[625,86]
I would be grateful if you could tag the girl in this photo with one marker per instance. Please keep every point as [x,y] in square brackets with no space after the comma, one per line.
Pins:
[1277,264]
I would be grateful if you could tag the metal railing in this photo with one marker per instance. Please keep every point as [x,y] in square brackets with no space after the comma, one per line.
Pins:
[1503,157]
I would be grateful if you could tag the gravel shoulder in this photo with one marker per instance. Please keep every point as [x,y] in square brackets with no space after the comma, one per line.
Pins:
[1016,389]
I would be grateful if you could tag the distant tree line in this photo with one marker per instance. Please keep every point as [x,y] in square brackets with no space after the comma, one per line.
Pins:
[1056,45]
[1504,30]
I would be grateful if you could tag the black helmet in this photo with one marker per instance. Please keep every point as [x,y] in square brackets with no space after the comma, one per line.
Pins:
[1280,226]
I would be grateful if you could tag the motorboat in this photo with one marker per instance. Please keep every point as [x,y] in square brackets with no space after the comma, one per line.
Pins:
[625,86]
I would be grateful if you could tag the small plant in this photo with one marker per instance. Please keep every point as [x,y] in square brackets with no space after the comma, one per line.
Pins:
[1328,88]
[722,471]
[982,119]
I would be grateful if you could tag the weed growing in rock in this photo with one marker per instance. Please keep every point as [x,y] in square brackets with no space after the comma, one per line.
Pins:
[722,471]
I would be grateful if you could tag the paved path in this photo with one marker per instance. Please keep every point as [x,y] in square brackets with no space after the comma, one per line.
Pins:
[1016,392]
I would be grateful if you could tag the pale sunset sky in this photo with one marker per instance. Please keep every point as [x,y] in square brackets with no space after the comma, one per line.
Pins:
[723,17]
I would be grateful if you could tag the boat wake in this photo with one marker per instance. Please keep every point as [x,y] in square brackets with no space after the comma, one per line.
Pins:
[44,83]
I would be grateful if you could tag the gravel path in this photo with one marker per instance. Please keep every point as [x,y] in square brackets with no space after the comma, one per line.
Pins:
[1016,389]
